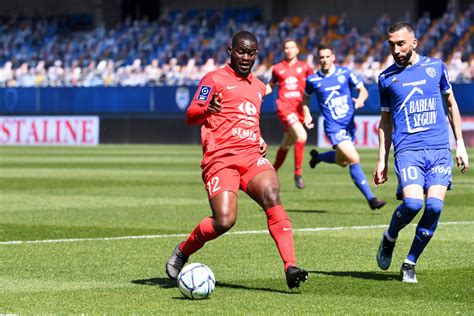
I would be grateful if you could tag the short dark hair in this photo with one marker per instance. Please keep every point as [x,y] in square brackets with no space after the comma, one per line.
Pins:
[243,35]
[290,39]
[400,26]
[322,46]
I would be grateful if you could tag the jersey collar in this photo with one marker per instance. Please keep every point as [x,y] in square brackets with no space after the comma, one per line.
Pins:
[232,72]
[331,71]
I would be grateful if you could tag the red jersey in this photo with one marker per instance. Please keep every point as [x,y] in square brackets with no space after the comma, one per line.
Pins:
[291,80]
[236,129]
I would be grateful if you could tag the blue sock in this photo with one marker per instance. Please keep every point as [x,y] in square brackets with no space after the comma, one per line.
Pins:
[426,227]
[328,156]
[403,215]
[360,180]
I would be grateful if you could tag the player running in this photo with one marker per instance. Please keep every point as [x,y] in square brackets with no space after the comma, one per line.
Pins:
[413,118]
[227,105]
[290,75]
[332,86]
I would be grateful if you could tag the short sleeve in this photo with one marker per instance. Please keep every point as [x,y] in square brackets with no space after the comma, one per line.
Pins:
[444,84]
[384,97]
[354,80]
[205,91]
[309,89]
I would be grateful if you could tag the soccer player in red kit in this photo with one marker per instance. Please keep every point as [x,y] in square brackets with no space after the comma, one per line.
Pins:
[290,75]
[227,106]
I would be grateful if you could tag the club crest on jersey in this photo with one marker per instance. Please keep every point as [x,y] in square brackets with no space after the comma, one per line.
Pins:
[431,72]
[204,93]
[341,79]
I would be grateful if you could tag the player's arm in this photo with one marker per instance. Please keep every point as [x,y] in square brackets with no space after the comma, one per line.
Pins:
[308,119]
[205,103]
[455,120]
[269,87]
[363,95]
[385,141]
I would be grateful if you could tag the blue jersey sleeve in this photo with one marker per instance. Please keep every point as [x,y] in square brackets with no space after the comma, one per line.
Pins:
[309,86]
[444,84]
[384,98]
[354,80]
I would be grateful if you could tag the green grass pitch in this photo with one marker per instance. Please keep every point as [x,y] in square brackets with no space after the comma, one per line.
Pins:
[71,203]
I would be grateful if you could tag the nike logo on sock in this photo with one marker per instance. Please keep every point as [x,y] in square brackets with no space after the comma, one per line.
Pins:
[285,229]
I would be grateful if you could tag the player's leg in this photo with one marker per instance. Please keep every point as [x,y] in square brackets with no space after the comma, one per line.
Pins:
[327,157]
[282,152]
[300,140]
[264,188]
[346,153]
[222,188]
[438,180]
[409,168]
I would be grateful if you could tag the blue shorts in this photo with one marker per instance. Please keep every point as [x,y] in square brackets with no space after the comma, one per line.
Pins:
[341,135]
[425,167]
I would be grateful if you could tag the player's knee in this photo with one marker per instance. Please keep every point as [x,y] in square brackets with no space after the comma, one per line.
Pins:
[434,206]
[224,223]
[271,195]
[412,205]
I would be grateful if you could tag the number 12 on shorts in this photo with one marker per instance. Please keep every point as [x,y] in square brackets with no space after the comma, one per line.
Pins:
[213,185]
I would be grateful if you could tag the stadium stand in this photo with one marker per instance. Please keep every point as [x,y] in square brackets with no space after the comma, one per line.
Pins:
[179,47]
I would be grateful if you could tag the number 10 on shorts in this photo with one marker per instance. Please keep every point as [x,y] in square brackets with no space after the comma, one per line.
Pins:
[409,173]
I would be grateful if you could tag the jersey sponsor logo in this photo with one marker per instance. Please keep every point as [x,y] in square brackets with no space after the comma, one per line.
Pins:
[333,88]
[299,70]
[292,94]
[244,133]
[431,72]
[337,104]
[420,113]
[291,83]
[248,108]
[415,83]
[262,161]
[204,93]
[341,79]
[441,169]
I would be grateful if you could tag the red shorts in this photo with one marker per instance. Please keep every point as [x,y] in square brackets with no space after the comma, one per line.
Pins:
[232,173]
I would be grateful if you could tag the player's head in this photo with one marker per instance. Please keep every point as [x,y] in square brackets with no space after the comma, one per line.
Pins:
[243,52]
[402,42]
[326,57]
[291,49]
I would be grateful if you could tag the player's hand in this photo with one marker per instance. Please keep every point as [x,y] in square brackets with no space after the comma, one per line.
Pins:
[215,105]
[358,103]
[461,156]
[308,121]
[263,147]
[380,174]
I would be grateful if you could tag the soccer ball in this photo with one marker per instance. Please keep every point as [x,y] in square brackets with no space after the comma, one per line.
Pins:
[196,281]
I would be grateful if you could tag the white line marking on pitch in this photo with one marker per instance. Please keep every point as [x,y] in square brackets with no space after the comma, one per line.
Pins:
[246,232]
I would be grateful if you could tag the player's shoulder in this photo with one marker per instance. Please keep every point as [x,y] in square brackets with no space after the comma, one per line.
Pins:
[258,83]
[389,72]
[314,77]
[430,61]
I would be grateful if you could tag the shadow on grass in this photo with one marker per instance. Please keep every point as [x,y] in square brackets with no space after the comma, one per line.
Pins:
[161,282]
[379,276]
[306,211]
[264,289]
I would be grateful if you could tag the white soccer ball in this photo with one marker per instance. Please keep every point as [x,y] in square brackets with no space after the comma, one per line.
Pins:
[196,281]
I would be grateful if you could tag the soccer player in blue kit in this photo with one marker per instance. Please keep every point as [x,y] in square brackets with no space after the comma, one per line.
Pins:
[332,86]
[413,118]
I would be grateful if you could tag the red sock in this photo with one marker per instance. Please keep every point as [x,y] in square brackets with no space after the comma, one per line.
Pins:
[280,158]
[299,155]
[280,228]
[203,232]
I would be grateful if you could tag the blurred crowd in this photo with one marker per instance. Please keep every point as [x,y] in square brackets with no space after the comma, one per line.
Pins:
[180,47]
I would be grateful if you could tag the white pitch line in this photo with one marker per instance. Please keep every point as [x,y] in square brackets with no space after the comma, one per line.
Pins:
[246,232]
